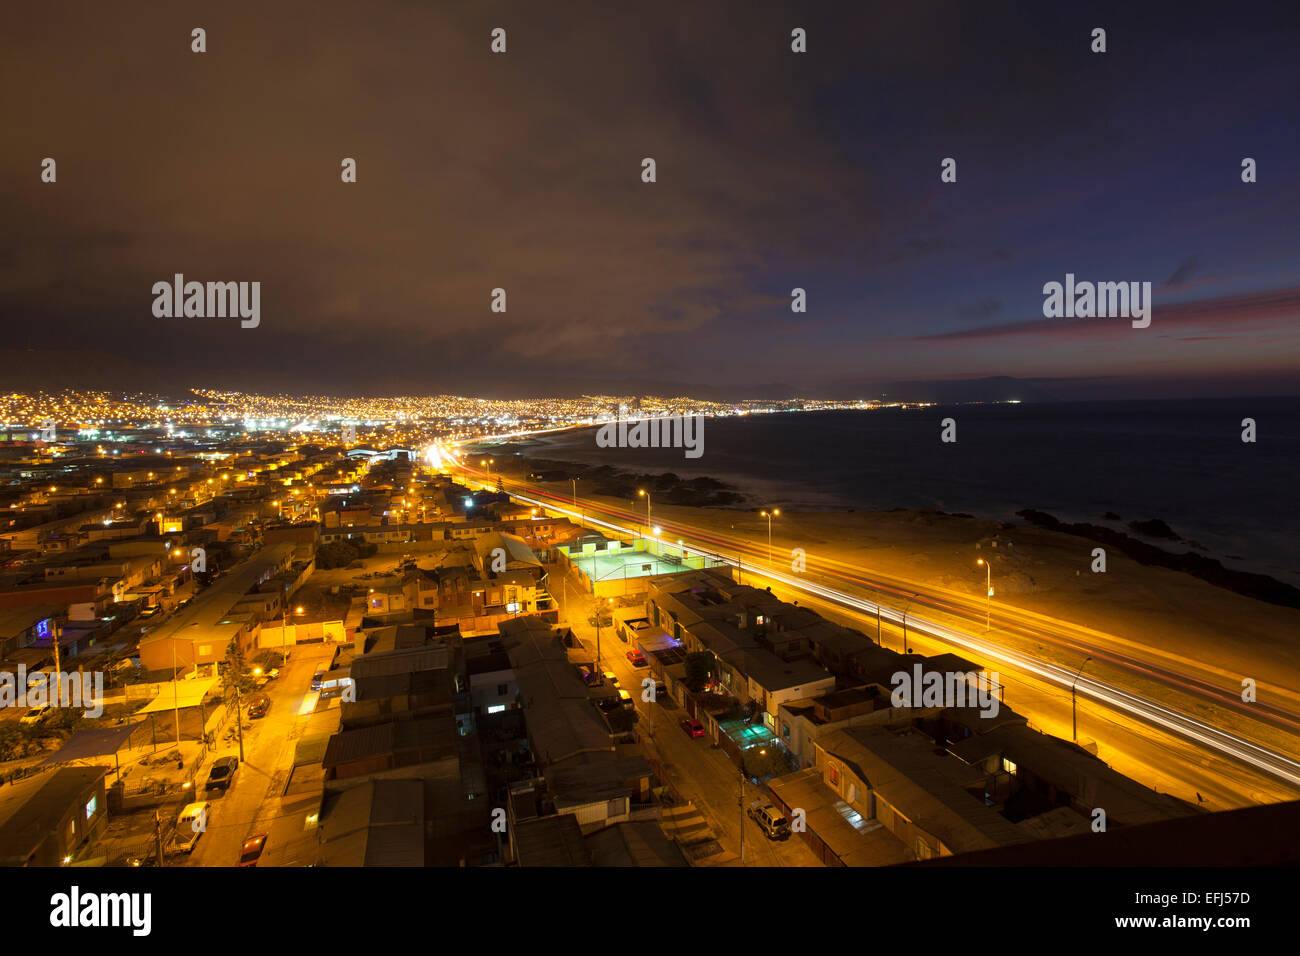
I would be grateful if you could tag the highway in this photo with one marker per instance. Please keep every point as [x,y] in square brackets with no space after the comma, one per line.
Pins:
[991,653]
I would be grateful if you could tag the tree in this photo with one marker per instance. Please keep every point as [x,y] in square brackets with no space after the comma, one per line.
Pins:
[700,670]
[234,669]
[335,554]
[768,761]
[12,741]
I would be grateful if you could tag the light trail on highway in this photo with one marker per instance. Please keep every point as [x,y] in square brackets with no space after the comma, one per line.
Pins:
[1188,728]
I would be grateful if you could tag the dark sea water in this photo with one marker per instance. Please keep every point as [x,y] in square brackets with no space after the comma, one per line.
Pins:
[1181,461]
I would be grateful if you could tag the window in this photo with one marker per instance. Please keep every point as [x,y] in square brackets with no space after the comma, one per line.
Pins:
[205,650]
[834,774]
[503,689]
[92,806]
[1008,766]
[785,731]
[496,708]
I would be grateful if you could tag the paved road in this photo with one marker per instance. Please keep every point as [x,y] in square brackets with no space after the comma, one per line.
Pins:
[268,756]
[700,772]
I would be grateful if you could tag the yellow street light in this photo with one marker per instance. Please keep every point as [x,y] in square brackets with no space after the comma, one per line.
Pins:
[769,516]
[988,600]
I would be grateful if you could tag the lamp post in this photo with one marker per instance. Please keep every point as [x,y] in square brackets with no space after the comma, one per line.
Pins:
[742,808]
[1074,700]
[988,585]
[284,625]
[644,494]
[905,607]
[600,606]
[574,482]
[769,515]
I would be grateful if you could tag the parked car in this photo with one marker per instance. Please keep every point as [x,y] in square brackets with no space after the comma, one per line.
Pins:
[258,707]
[222,772]
[610,678]
[317,679]
[769,819]
[191,824]
[35,715]
[692,727]
[625,699]
[252,849]
[637,658]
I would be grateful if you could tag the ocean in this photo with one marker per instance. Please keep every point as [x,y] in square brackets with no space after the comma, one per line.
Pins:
[1181,461]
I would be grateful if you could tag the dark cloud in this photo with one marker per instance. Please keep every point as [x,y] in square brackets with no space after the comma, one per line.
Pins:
[1186,269]
[522,171]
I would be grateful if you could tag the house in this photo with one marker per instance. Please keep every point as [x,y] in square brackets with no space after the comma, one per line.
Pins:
[53,818]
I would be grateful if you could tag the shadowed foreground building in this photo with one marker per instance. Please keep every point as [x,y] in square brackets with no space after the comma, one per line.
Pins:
[53,818]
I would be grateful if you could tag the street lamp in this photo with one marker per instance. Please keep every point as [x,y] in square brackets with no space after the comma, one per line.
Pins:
[988,584]
[600,606]
[905,607]
[574,482]
[1074,700]
[644,494]
[769,516]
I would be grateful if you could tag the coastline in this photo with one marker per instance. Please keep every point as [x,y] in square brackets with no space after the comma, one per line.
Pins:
[1140,541]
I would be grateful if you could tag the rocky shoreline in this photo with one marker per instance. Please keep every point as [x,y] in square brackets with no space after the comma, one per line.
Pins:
[1261,587]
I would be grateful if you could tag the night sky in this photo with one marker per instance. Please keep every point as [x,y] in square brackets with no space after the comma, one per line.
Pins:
[775,170]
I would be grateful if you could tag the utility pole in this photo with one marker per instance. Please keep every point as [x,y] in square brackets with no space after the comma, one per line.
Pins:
[742,808]
[284,624]
[157,835]
[176,699]
[1074,701]
[58,667]
[239,719]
